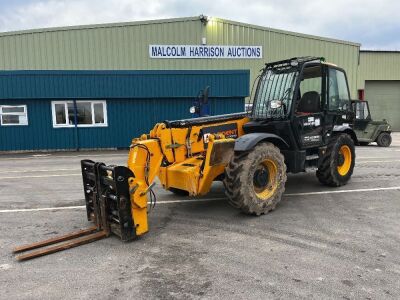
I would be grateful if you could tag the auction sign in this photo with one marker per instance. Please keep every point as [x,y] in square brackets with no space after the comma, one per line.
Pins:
[205,51]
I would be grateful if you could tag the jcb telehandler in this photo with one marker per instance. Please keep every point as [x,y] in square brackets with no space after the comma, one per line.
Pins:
[300,119]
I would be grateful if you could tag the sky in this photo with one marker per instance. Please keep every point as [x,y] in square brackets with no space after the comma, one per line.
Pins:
[374,24]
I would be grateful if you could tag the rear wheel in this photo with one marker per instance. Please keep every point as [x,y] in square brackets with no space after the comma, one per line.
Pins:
[255,181]
[384,139]
[337,164]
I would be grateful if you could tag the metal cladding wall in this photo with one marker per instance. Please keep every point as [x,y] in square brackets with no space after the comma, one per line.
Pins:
[121,84]
[384,100]
[379,76]
[136,100]
[126,46]
[378,65]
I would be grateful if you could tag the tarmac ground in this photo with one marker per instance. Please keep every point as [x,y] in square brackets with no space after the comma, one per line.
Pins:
[319,243]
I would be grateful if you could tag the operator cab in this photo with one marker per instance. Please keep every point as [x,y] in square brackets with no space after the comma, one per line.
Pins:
[301,100]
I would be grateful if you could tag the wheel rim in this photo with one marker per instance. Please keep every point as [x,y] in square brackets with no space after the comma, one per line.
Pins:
[265,179]
[344,160]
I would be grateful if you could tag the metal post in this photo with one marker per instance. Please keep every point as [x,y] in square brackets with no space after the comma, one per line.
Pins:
[76,126]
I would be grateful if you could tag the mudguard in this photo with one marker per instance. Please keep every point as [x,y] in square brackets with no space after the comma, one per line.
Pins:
[345,129]
[248,141]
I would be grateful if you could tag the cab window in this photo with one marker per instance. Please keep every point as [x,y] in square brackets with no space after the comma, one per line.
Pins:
[310,91]
[338,93]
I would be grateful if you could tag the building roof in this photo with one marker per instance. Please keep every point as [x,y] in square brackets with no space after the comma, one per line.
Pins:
[379,51]
[175,20]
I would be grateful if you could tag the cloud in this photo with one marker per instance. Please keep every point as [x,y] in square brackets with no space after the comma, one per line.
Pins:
[373,23]
[65,13]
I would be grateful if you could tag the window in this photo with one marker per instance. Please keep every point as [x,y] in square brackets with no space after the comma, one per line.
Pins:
[88,113]
[310,93]
[273,96]
[361,109]
[338,92]
[13,115]
[312,80]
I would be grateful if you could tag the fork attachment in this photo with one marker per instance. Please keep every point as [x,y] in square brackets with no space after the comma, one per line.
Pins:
[108,206]
[107,198]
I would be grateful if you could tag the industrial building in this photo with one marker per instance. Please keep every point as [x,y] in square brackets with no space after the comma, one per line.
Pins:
[97,86]
[379,83]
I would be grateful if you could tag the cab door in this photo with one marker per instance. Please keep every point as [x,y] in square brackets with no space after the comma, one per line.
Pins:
[338,109]
[309,109]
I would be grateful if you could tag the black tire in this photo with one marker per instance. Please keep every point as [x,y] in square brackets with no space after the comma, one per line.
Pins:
[332,171]
[363,143]
[255,180]
[178,192]
[384,139]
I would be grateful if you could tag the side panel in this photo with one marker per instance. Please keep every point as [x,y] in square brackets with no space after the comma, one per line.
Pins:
[194,168]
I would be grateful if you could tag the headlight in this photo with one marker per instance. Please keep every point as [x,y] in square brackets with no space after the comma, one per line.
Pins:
[192,109]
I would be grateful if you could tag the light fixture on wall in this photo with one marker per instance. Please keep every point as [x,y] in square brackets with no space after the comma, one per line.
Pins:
[204,19]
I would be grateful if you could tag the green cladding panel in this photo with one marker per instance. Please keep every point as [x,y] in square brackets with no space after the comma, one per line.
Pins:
[379,76]
[126,46]
[378,65]
[384,100]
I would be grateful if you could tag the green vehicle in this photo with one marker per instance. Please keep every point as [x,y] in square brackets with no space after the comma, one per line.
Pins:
[368,130]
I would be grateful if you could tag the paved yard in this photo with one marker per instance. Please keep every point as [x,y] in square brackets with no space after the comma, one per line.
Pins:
[318,243]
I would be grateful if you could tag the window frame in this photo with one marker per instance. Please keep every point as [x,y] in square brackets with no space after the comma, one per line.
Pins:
[321,93]
[25,113]
[331,67]
[92,103]
[365,105]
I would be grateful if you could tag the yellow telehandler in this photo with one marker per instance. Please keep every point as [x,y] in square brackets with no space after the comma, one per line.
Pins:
[299,120]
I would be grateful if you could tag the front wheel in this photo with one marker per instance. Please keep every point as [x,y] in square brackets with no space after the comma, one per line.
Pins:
[255,180]
[337,164]
[384,139]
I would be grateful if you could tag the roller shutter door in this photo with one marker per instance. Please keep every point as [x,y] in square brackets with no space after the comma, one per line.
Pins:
[384,100]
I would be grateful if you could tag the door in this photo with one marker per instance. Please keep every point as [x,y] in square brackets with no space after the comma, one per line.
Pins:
[384,100]
[338,105]
[309,107]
